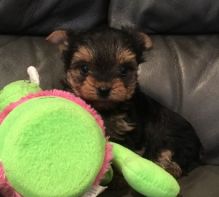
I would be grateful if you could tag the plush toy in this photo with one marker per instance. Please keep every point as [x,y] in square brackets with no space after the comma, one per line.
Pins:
[52,144]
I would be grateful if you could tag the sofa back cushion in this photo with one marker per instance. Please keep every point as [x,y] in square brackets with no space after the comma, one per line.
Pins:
[173,16]
[42,17]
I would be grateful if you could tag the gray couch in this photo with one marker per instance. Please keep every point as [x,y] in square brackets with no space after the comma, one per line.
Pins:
[181,71]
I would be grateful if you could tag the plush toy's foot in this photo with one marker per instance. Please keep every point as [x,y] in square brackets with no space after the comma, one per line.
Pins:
[165,161]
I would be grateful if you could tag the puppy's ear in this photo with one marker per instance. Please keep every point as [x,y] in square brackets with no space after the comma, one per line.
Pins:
[59,38]
[145,40]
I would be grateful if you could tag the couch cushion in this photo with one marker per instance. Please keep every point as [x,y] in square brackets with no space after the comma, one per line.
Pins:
[158,16]
[17,53]
[201,182]
[42,17]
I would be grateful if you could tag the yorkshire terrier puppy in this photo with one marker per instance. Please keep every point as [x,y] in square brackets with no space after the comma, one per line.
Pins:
[101,67]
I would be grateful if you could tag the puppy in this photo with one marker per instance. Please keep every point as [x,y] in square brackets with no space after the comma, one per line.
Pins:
[101,67]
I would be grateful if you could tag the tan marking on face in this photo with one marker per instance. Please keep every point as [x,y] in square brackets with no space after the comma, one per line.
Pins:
[125,56]
[85,89]
[103,84]
[88,89]
[90,86]
[120,92]
[72,78]
[83,54]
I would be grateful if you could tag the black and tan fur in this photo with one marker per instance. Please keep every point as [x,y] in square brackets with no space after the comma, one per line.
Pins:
[101,67]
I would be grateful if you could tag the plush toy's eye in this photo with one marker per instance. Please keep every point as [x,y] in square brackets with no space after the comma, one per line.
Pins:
[84,69]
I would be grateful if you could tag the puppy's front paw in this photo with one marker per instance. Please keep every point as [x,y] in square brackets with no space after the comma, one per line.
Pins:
[165,161]
[171,167]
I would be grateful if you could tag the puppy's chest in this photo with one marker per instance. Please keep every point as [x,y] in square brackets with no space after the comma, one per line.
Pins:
[125,127]
[119,124]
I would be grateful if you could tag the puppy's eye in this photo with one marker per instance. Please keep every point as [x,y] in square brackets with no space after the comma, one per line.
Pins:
[123,71]
[84,69]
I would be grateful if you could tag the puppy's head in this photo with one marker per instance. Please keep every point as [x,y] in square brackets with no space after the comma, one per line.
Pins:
[101,65]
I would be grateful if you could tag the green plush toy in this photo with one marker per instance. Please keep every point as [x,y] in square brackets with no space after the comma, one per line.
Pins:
[52,144]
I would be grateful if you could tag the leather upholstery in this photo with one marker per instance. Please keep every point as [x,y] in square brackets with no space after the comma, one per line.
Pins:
[17,53]
[42,17]
[173,16]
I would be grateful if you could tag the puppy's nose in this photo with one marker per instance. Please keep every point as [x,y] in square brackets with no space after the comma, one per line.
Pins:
[103,92]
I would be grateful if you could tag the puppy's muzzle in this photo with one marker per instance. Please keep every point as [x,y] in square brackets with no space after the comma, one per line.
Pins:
[103,92]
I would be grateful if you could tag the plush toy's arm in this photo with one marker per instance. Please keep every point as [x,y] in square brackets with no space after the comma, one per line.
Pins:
[33,75]
[143,175]
[18,89]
